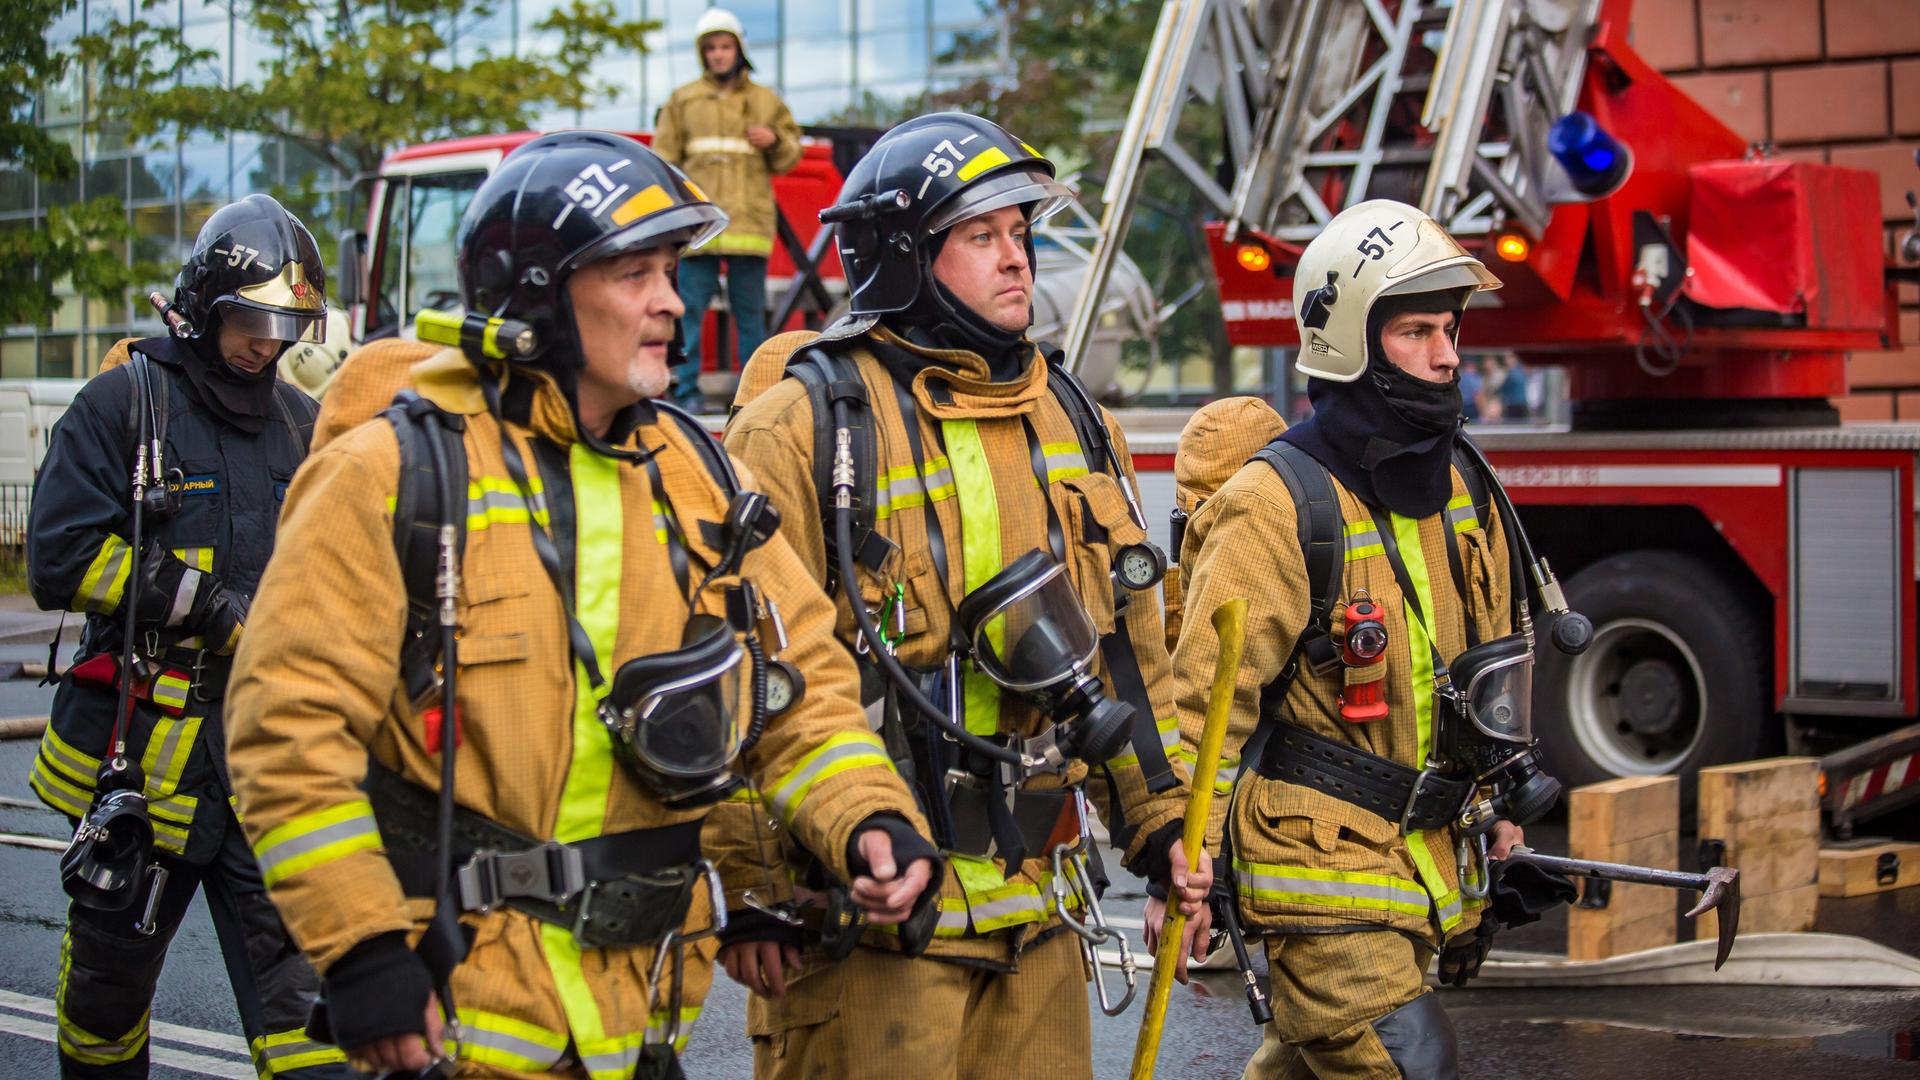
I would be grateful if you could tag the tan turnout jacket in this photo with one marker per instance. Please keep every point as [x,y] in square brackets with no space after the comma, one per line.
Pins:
[703,129]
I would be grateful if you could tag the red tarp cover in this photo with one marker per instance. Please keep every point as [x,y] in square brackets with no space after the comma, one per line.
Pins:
[1787,236]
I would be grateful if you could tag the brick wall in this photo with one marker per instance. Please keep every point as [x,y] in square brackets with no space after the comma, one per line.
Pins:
[1823,80]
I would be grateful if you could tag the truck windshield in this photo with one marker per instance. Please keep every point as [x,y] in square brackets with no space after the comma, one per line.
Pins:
[413,257]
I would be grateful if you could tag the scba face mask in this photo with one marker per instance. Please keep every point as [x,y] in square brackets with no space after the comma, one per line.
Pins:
[1489,727]
[675,716]
[1030,634]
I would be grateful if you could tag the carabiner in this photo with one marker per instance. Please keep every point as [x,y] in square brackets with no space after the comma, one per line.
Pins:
[1070,865]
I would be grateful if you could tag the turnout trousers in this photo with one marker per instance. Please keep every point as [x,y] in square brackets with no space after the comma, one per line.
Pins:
[878,1015]
[1352,1006]
[108,970]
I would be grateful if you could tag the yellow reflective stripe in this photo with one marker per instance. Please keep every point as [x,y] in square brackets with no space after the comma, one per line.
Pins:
[168,749]
[902,487]
[1461,515]
[596,497]
[287,1051]
[170,691]
[1363,540]
[1328,888]
[105,581]
[741,243]
[1012,904]
[1169,728]
[982,161]
[657,1026]
[1064,460]
[719,144]
[57,791]
[200,558]
[488,1038]
[980,549]
[660,520]
[316,839]
[952,922]
[1406,533]
[589,784]
[1223,778]
[745,793]
[79,1043]
[81,767]
[977,875]
[840,752]
[1445,901]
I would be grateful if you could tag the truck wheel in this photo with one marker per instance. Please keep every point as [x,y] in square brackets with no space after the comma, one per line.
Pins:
[1675,678]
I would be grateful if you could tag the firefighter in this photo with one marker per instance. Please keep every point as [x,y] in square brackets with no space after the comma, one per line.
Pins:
[1355,882]
[617,591]
[732,136]
[978,589]
[231,435]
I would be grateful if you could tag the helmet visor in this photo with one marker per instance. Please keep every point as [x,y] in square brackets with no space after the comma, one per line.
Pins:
[1014,187]
[1038,635]
[1436,261]
[687,226]
[273,323]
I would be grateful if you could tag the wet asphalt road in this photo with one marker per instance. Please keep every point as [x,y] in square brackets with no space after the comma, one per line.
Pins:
[1660,1033]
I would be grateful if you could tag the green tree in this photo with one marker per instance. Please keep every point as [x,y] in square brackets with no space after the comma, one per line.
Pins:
[81,243]
[349,80]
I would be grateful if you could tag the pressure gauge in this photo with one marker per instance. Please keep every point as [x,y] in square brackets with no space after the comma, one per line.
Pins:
[784,686]
[1138,567]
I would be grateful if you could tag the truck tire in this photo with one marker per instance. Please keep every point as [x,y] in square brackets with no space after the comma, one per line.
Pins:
[1676,677]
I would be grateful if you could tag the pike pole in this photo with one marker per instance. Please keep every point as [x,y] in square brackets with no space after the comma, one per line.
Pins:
[1230,625]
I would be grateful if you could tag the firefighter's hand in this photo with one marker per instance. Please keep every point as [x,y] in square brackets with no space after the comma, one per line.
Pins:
[1194,935]
[1506,836]
[760,138]
[1192,885]
[761,966]
[398,1052]
[886,892]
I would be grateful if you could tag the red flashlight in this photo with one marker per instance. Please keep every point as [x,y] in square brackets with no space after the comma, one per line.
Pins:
[1363,652]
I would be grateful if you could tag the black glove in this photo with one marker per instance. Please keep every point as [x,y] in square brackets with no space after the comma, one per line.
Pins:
[378,990]
[1155,861]
[744,924]
[908,845]
[1461,958]
[1522,892]
[175,596]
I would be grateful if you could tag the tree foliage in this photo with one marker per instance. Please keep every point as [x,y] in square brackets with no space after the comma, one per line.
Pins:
[350,80]
[81,243]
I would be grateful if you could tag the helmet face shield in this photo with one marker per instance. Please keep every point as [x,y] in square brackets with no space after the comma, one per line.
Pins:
[1028,629]
[273,324]
[687,226]
[1013,188]
[678,712]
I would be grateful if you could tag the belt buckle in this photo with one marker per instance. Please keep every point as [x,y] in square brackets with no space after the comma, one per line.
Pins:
[551,872]
[196,676]
[1413,797]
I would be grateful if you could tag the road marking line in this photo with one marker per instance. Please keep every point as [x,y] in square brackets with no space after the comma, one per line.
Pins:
[190,1036]
[159,1055]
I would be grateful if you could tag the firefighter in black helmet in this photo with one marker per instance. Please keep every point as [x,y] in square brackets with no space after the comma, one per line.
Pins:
[979,478]
[608,625]
[230,436]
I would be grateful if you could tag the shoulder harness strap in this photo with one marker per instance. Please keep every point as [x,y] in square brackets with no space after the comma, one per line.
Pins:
[1319,523]
[420,499]
[830,375]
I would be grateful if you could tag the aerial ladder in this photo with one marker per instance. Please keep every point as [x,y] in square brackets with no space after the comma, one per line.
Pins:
[1328,103]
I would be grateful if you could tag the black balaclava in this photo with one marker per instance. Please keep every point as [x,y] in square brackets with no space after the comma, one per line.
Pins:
[238,398]
[1388,435]
[940,320]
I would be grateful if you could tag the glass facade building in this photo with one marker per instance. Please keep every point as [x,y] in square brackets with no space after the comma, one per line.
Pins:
[823,56]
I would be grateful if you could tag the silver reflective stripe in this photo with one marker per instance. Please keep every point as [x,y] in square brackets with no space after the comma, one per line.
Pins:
[472,1034]
[101,598]
[183,595]
[1450,910]
[1406,894]
[293,848]
[1463,515]
[286,1051]
[1075,462]
[1017,904]
[616,1062]
[802,780]
[720,144]
[165,772]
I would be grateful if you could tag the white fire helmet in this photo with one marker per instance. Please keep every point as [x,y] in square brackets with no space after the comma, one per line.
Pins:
[1377,248]
[721,21]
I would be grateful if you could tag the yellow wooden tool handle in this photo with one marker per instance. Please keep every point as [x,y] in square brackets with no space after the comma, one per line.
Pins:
[1230,626]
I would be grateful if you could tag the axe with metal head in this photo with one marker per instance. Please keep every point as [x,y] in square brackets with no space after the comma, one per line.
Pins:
[1719,887]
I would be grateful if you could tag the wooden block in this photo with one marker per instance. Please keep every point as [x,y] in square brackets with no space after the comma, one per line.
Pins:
[1591,936]
[1773,868]
[1613,812]
[1855,871]
[1750,790]
[1790,911]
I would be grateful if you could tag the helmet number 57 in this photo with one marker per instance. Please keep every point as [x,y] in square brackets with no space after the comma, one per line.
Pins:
[937,162]
[1372,250]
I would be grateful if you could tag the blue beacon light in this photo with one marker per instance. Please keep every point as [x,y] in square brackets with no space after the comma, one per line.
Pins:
[1595,161]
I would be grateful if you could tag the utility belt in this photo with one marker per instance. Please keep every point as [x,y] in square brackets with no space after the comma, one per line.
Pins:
[173,681]
[1416,798]
[617,891]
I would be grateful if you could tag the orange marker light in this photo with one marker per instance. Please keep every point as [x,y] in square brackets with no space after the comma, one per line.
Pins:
[1512,247]
[1253,257]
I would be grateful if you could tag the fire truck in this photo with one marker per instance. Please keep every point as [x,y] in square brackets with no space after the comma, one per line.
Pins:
[1746,559]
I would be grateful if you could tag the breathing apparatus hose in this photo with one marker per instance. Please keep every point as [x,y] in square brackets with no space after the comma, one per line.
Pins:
[123,709]
[447,586]
[757,726]
[889,666]
[1571,632]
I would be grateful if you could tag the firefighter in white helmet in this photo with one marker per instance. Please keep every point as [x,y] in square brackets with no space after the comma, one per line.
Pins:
[731,136]
[1345,854]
